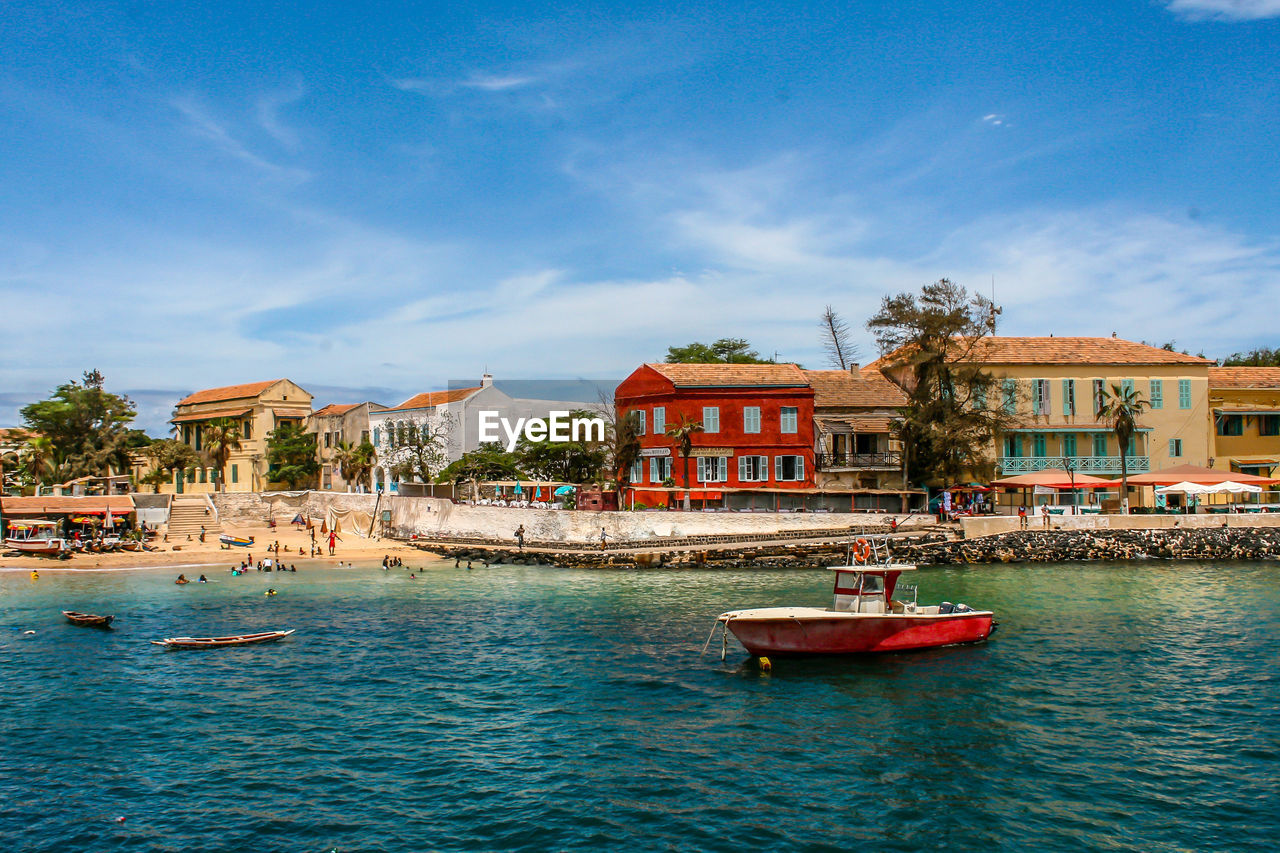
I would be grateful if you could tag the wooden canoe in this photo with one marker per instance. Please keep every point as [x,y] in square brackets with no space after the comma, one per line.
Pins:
[220,642]
[87,619]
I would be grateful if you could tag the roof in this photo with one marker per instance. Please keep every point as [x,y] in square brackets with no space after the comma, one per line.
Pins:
[209,415]
[434,398]
[855,423]
[1197,474]
[1055,350]
[334,409]
[840,388]
[732,375]
[227,392]
[1244,377]
[65,504]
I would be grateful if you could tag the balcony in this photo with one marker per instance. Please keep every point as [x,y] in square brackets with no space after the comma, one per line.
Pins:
[1081,464]
[890,461]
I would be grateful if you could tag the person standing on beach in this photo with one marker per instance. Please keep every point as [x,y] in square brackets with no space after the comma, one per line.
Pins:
[603,538]
[1022,517]
[1044,514]
[333,538]
[520,537]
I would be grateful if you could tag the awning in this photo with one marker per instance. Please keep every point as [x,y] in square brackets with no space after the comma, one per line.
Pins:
[209,416]
[1054,478]
[1195,474]
[853,423]
[1226,411]
[67,505]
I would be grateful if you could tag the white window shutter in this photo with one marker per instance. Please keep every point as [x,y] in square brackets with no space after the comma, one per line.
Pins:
[799,467]
[777,468]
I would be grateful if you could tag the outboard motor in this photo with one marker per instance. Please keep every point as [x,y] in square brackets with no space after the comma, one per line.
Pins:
[946,607]
[963,608]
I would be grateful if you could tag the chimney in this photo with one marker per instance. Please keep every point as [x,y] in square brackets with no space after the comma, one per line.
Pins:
[486,380]
[854,367]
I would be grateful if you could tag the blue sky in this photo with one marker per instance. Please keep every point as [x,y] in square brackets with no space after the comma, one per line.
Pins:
[374,199]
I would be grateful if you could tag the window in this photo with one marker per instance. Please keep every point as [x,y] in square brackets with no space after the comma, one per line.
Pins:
[247,430]
[1126,386]
[1040,396]
[789,419]
[639,418]
[710,418]
[1099,396]
[659,468]
[1269,425]
[1156,394]
[753,469]
[788,468]
[1038,446]
[1009,387]
[1131,449]
[637,471]
[659,420]
[1068,396]
[1230,424]
[1069,444]
[713,469]
[377,437]
[235,473]
[364,436]
[979,397]
[186,433]
[199,436]
[751,419]
[1184,393]
[1175,447]
[1099,444]
[328,439]
[1013,446]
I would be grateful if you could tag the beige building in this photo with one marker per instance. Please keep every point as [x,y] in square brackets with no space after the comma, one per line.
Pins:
[334,425]
[854,449]
[1052,386]
[1244,405]
[259,408]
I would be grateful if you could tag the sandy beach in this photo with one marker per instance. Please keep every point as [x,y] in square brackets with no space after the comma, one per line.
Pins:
[295,546]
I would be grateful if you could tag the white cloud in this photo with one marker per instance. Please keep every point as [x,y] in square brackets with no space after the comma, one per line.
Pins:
[497,82]
[268,109]
[1225,10]
[204,125]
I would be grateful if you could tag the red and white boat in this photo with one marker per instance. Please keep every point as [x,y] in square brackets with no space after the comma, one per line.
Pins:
[863,617]
[35,537]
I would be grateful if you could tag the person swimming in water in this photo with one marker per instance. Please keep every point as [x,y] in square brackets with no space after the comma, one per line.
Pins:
[203,579]
[270,592]
[182,579]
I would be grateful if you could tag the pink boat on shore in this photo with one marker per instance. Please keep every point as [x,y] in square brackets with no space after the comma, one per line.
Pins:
[35,537]
[863,617]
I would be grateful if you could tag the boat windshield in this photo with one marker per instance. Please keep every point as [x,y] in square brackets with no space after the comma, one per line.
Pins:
[872,584]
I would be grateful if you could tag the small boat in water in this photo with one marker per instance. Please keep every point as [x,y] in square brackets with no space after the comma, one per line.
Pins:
[238,541]
[89,620]
[863,617]
[35,537]
[220,642]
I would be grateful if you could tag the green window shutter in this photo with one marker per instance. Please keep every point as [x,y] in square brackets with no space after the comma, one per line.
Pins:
[1126,385]
[235,474]
[1184,393]
[1068,396]
[1038,448]
[1010,390]
[1099,444]
[1156,394]
[1069,444]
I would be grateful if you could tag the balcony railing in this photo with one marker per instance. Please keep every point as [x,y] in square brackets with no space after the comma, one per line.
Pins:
[1082,464]
[830,461]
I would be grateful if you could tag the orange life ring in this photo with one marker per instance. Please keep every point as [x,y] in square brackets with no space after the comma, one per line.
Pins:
[861,551]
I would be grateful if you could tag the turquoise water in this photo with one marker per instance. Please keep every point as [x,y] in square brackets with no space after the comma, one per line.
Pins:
[1117,708]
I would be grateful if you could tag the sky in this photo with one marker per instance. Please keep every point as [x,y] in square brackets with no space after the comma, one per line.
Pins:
[375,199]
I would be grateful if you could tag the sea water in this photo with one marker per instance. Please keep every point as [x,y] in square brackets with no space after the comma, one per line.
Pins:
[1118,707]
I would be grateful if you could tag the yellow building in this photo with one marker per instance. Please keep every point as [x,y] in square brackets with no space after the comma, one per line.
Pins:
[1052,386]
[259,408]
[1245,408]
[334,425]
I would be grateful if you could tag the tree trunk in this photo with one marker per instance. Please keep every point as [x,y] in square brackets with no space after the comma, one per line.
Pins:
[687,505]
[1124,476]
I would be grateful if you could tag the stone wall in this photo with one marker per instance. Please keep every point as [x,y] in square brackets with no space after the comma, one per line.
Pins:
[1039,546]
[990,525]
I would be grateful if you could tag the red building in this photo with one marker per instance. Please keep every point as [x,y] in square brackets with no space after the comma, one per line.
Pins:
[756,444]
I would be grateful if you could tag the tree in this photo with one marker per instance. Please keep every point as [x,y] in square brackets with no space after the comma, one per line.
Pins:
[355,462]
[421,450]
[930,345]
[683,433]
[155,478]
[567,461]
[88,426]
[723,351]
[489,461]
[171,455]
[1257,357]
[221,439]
[837,340]
[1121,407]
[39,459]
[291,456]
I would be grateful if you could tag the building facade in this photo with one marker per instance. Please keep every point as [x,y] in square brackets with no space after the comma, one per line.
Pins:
[1244,403]
[333,426]
[854,446]
[757,439]
[258,408]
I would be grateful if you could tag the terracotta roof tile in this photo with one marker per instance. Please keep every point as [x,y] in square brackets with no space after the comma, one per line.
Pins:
[434,398]
[1244,377]
[227,392]
[840,388]
[1055,350]
[209,415]
[60,504]
[334,409]
[732,375]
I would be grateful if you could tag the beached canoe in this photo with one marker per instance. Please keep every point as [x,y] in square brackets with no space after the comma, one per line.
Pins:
[238,541]
[220,642]
[89,620]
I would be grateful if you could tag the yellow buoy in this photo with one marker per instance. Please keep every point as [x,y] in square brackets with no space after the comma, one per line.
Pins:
[766,665]
[35,576]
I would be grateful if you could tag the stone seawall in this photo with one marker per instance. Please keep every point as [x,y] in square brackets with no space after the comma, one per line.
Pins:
[1039,546]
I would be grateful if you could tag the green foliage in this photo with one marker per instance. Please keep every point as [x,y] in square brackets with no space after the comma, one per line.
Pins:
[155,478]
[419,451]
[683,433]
[87,427]
[928,342]
[565,461]
[487,462]
[291,456]
[723,351]
[1121,408]
[172,455]
[221,437]
[1258,357]
[355,461]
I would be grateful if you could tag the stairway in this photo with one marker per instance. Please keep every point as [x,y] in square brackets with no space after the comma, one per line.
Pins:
[187,515]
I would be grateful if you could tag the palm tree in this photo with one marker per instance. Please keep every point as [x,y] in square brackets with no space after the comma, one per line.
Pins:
[683,433]
[221,439]
[1121,407]
[40,458]
[355,462]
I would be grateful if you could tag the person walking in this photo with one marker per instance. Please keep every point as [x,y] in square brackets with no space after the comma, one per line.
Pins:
[604,538]
[520,537]
[1022,518]
[202,533]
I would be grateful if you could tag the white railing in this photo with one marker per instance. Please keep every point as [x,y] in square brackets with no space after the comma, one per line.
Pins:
[1083,464]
